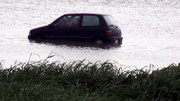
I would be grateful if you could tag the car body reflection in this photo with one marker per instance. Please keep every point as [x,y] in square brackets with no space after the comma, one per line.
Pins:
[82,44]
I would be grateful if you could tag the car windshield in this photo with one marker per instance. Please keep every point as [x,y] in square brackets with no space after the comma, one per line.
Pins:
[109,19]
[67,21]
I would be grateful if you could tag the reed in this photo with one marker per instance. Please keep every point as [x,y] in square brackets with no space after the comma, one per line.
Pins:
[76,81]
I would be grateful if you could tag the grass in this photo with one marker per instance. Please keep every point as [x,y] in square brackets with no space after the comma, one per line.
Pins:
[80,81]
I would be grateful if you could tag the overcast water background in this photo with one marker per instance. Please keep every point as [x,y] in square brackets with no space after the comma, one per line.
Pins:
[151,31]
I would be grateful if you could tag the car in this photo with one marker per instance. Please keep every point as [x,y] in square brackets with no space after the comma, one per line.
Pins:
[80,26]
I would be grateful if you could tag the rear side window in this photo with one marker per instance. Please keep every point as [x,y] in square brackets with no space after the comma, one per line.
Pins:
[90,20]
[110,20]
[68,21]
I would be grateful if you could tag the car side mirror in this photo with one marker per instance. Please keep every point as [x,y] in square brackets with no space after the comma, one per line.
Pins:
[52,25]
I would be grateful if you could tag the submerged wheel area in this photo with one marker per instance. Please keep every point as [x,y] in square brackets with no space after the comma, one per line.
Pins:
[98,41]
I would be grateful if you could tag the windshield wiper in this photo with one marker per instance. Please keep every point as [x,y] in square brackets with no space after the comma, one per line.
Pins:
[113,26]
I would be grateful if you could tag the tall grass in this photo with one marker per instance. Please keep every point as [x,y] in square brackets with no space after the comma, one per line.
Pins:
[80,81]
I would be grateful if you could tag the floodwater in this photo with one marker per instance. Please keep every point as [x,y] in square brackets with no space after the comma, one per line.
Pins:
[151,34]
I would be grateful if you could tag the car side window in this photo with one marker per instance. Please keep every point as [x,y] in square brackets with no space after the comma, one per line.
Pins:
[90,20]
[68,21]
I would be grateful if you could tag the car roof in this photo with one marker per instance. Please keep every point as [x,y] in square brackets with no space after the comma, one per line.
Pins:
[86,14]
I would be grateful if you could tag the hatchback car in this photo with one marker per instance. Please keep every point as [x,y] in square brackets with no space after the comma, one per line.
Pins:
[93,27]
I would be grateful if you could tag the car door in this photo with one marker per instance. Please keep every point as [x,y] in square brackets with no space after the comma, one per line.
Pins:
[66,27]
[91,27]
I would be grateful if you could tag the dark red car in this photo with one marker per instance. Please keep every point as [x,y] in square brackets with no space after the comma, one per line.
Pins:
[91,27]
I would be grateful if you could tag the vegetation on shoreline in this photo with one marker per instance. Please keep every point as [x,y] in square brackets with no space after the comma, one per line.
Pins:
[79,81]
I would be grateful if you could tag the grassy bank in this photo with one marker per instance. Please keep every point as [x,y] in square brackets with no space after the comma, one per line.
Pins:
[79,81]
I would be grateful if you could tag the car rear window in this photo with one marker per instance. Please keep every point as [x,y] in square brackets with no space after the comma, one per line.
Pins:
[90,20]
[110,20]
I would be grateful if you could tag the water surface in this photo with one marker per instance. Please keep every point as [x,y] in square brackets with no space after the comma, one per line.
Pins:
[151,33]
